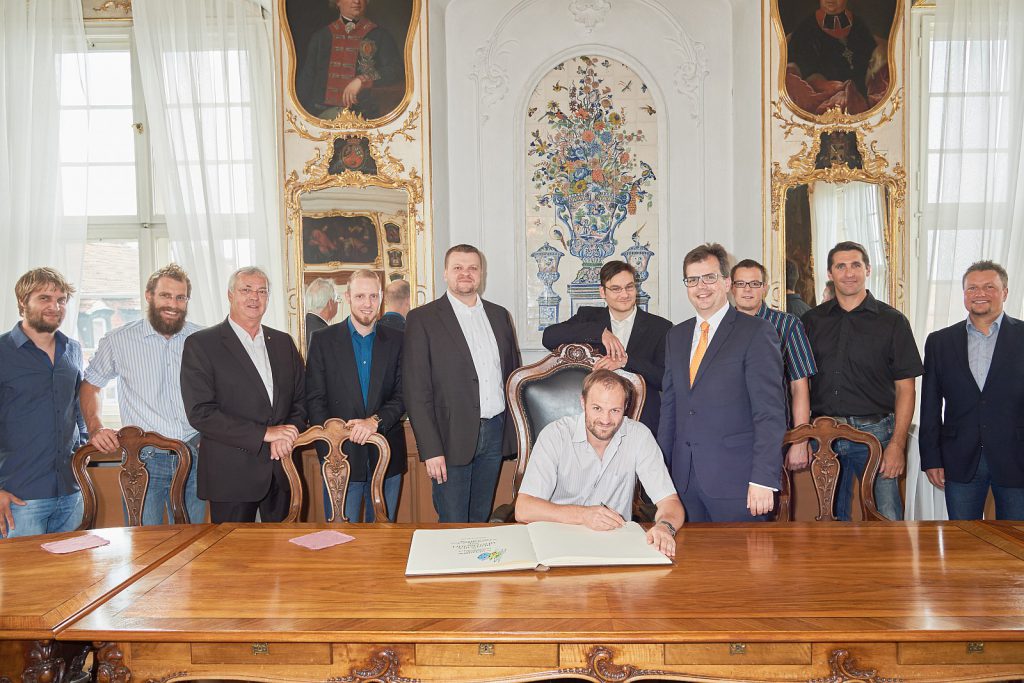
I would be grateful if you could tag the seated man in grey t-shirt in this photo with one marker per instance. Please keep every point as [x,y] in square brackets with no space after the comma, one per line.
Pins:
[583,468]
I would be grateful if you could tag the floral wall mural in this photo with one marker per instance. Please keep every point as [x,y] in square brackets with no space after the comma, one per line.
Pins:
[591,186]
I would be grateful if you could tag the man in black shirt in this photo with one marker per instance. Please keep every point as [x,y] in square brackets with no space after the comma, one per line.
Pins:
[867,364]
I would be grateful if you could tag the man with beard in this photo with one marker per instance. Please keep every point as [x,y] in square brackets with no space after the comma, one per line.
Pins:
[145,357]
[583,467]
[354,373]
[40,421]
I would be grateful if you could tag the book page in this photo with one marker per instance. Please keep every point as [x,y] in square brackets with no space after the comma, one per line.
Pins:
[476,549]
[571,545]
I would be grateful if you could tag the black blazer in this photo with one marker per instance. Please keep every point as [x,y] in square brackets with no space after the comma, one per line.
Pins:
[958,418]
[646,348]
[314,323]
[332,390]
[441,384]
[225,400]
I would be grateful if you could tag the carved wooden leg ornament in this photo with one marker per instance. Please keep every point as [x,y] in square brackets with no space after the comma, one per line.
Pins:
[45,665]
[600,666]
[110,667]
[844,671]
[383,667]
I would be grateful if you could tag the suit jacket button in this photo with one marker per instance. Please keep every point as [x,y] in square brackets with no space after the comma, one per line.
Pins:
[693,412]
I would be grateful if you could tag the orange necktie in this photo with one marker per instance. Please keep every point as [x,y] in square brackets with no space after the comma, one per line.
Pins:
[698,355]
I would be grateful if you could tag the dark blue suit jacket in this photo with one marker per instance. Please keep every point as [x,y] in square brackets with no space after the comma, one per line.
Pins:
[952,434]
[730,424]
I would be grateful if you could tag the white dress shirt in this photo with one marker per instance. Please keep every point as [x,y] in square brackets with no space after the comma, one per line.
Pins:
[484,348]
[714,322]
[256,347]
[622,329]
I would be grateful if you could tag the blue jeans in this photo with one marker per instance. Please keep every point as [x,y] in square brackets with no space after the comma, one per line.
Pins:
[160,465]
[967,500]
[853,457]
[468,495]
[359,491]
[47,515]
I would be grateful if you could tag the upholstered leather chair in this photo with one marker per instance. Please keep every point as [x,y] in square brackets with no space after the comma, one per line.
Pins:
[133,477]
[542,392]
[825,467]
[337,471]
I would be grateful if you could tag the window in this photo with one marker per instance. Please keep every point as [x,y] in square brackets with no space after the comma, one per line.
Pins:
[127,234]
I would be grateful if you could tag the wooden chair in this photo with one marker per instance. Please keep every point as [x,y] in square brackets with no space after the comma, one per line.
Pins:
[825,467]
[336,469]
[133,477]
[542,392]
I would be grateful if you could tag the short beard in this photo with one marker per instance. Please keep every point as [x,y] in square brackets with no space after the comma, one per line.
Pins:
[162,327]
[38,325]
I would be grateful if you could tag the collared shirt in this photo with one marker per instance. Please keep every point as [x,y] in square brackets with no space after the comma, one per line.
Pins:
[40,420]
[714,322]
[860,355]
[796,350]
[566,470]
[484,348]
[980,347]
[362,347]
[623,329]
[147,367]
[256,347]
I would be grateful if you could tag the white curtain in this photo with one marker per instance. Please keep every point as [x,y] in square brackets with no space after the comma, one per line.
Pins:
[42,65]
[850,211]
[973,201]
[208,77]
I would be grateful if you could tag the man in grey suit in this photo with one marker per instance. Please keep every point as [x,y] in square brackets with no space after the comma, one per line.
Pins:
[459,351]
[723,411]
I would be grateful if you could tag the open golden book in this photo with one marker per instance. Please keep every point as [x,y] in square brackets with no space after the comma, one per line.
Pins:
[526,546]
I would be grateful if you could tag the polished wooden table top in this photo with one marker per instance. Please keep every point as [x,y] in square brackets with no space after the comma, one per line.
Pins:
[41,592]
[792,582]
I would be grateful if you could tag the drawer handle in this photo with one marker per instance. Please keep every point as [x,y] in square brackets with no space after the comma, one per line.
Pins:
[260,649]
[975,648]
[737,648]
[485,649]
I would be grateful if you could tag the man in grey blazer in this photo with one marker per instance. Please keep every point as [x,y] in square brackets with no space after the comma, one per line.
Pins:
[723,412]
[459,351]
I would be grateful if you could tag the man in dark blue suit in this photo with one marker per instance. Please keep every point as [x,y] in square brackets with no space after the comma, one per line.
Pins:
[723,412]
[972,402]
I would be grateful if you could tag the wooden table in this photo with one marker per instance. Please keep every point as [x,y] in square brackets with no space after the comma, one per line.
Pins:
[41,593]
[919,601]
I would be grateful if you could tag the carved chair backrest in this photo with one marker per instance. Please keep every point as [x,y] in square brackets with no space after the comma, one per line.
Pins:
[542,392]
[825,464]
[337,471]
[133,477]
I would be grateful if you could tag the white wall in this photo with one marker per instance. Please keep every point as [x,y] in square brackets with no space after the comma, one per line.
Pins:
[701,59]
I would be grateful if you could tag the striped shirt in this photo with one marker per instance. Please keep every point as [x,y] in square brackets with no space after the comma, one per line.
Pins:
[980,347]
[796,349]
[147,366]
[564,468]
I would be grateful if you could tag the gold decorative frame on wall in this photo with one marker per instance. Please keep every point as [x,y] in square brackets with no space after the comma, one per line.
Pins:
[348,120]
[835,115]
[391,174]
[802,170]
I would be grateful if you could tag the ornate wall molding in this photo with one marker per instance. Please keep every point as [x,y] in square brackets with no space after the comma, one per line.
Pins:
[589,13]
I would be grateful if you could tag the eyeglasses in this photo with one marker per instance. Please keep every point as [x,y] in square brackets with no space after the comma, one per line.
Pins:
[167,298]
[706,278]
[247,292]
[616,289]
[752,284]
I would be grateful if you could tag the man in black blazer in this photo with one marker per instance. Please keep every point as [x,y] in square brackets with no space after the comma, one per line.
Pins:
[631,338]
[459,351]
[353,372]
[972,402]
[243,387]
[321,306]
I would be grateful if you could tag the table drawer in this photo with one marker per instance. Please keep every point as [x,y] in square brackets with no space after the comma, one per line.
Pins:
[261,653]
[487,654]
[964,652]
[738,653]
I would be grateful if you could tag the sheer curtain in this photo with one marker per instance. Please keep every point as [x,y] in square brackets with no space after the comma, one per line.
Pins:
[973,203]
[43,48]
[849,211]
[208,78]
